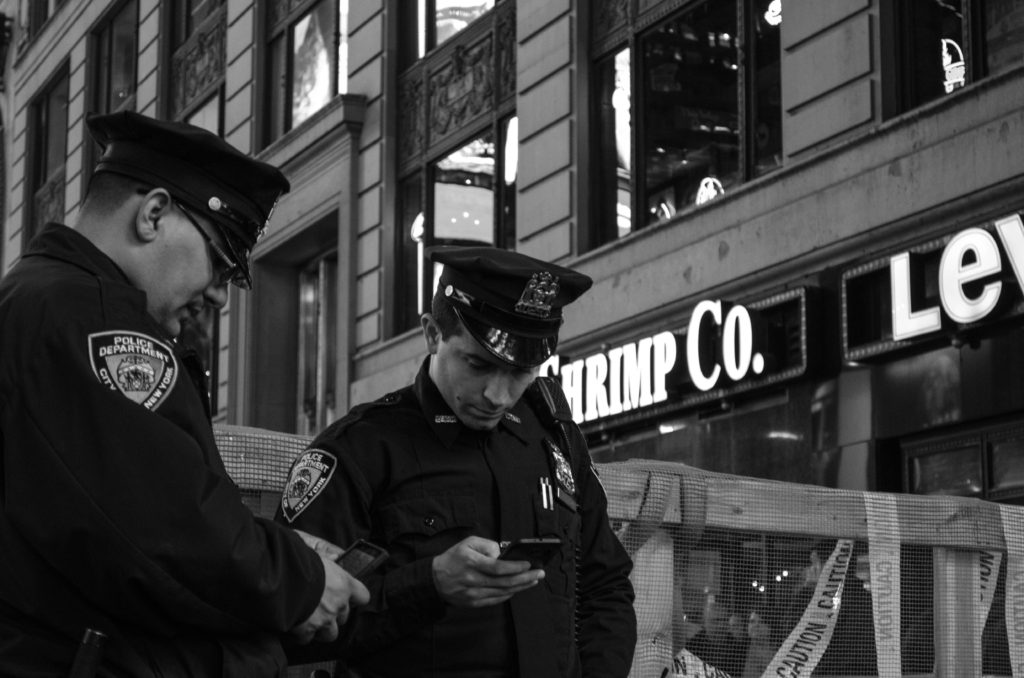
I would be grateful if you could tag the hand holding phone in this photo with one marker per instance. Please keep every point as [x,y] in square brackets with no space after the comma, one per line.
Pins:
[538,551]
[361,558]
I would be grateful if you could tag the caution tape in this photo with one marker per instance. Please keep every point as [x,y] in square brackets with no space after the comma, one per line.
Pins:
[806,644]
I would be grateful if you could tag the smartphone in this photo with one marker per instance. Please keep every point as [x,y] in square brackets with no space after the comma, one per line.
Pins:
[361,558]
[538,551]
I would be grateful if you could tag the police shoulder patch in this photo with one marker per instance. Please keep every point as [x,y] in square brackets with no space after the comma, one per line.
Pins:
[138,366]
[310,474]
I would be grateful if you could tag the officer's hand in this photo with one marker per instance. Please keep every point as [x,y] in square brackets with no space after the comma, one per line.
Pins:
[341,592]
[469,574]
[321,546]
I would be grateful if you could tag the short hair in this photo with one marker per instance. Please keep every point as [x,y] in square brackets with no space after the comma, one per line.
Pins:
[444,315]
[107,190]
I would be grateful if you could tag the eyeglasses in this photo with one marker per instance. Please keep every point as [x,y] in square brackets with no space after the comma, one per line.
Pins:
[225,270]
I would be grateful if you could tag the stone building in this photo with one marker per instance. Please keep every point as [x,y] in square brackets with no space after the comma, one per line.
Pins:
[802,217]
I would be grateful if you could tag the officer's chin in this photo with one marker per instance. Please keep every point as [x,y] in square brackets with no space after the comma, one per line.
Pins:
[479,424]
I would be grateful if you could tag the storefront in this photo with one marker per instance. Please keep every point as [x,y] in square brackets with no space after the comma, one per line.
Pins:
[898,370]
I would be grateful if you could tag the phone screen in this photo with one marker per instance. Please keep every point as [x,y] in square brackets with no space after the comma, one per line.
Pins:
[535,551]
[361,558]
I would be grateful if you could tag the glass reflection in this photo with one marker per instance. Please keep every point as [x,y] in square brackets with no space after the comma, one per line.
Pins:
[933,39]
[614,146]
[452,16]
[123,57]
[766,126]
[311,70]
[691,121]
[464,195]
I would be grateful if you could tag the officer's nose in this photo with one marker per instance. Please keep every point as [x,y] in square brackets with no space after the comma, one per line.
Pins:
[216,294]
[498,391]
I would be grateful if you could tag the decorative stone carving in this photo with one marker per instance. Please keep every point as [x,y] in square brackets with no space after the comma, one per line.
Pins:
[608,16]
[198,65]
[461,89]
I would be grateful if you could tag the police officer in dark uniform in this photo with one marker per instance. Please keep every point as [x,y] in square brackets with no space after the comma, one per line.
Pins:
[116,512]
[445,471]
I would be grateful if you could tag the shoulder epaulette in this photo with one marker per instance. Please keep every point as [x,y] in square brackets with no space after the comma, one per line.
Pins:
[355,414]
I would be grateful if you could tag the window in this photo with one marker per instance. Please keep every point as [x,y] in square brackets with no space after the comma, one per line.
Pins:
[469,200]
[32,16]
[944,44]
[203,335]
[436,21]
[458,151]
[48,130]
[987,463]
[307,60]
[116,60]
[189,15]
[198,30]
[703,122]
[318,346]
[198,62]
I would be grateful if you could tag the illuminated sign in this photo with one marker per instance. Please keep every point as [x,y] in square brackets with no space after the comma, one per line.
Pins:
[625,378]
[725,348]
[709,189]
[953,66]
[737,341]
[949,285]
[773,16]
[971,256]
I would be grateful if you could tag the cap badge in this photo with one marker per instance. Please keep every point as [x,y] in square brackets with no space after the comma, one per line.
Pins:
[538,294]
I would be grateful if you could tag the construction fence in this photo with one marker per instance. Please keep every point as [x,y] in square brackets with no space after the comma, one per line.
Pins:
[738,577]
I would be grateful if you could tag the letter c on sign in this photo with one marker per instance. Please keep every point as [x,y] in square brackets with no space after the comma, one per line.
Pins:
[700,380]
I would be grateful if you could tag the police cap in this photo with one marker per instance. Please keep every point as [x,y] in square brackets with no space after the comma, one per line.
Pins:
[509,302]
[233,190]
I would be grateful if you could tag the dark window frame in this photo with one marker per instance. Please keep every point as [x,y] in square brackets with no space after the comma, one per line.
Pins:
[616,25]
[189,23]
[97,92]
[901,93]
[279,18]
[41,176]
[418,165]
[32,23]
[103,60]
[979,442]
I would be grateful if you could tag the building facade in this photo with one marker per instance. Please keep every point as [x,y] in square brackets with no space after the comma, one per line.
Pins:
[802,217]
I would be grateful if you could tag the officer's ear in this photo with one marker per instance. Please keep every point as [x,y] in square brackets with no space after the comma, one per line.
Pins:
[431,332]
[156,203]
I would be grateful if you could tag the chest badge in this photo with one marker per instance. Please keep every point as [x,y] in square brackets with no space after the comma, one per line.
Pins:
[310,474]
[560,466]
[137,366]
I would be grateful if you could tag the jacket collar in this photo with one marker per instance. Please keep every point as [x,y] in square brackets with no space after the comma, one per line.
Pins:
[57,241]
[443,422]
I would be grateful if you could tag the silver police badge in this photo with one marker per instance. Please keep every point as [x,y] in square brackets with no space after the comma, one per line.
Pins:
[561,467]
[310,474]
[138,366]
[540,291]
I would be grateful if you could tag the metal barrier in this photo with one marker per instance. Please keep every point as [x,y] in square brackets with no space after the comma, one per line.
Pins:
[746,578]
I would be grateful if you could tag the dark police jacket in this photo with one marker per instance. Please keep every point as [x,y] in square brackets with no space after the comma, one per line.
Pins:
[404,473]
[116,512]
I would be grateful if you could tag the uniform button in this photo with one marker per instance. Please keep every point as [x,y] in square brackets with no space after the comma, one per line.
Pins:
[429,521]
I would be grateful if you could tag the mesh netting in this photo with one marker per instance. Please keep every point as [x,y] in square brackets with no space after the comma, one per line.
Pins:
[746,578]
